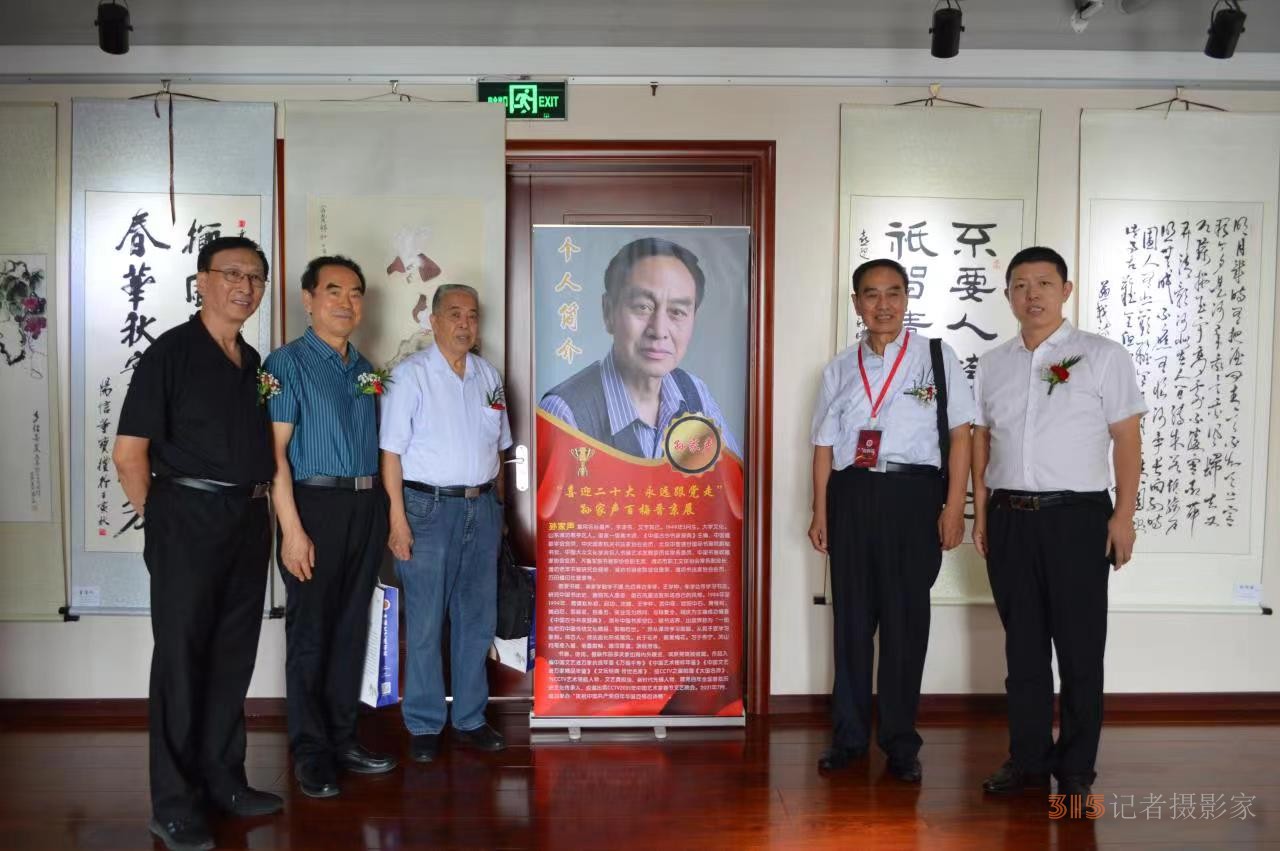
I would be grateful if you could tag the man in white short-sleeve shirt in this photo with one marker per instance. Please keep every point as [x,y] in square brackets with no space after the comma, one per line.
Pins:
[884,511]
[1057,407]
[444,428]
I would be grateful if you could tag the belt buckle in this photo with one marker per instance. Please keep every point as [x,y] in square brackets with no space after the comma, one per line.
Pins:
[261,489]
[1024,502]
[363,483]
[471,493]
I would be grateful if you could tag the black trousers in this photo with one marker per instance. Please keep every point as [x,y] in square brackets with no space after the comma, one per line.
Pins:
[885,555]
[1048,572]
[327,618]
[208,556]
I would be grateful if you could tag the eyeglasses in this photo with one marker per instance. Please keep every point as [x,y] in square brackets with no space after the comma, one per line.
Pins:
[235,276]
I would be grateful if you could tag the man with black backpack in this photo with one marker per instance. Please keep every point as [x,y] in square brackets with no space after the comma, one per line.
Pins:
[891,436]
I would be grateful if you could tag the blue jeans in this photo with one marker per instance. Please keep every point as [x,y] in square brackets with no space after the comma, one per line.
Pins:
[453,569]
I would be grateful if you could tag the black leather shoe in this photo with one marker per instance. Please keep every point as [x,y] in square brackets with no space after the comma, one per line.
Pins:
[1010,778]
[182,834]
[316,782]
[248,802]
[424,748]
[906,770]
[482,738]
[1075,786]
[358,759]
[837,758]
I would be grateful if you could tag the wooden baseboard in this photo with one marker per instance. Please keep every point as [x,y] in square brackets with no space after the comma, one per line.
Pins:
[1154,708]
[934,708]
[131,713]
[269,712]
[115,713]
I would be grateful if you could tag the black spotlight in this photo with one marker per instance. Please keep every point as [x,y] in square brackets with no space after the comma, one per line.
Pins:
[946,30]
[113,27]
[1225,26]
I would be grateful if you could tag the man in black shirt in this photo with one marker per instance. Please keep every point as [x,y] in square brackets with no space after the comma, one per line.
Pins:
[193,451]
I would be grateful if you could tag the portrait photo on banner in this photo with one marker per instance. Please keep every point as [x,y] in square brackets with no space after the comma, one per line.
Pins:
[641,362]
[574,331]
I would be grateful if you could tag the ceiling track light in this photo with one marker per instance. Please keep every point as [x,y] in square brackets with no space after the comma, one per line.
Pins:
[946,29]
[1226,22]
[113,27]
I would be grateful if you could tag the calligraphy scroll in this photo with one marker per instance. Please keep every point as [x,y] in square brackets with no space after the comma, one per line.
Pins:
[24,386]
[1177,284]
[132,278]
[951,194]
[140,282]
[1178,264]
[640,540]
[954,251]
[32,575]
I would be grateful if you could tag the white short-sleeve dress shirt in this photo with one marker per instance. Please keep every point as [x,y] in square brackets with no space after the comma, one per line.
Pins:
[447,430]
[1059,440]
[908,416]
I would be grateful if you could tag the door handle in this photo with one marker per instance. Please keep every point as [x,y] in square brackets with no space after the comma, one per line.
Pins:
[522,467]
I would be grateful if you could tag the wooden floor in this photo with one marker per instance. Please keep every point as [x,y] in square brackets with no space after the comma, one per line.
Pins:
[87,788]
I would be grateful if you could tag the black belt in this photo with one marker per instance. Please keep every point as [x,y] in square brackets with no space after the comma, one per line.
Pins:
[437,490]
[1039,500]
[892,468]
[357,483]
[257,491]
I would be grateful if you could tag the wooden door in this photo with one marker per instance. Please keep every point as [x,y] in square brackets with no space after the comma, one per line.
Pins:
[643,183]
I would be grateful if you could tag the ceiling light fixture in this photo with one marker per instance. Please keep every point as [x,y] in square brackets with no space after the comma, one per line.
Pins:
[113,27]
[946,29]
[1225,26]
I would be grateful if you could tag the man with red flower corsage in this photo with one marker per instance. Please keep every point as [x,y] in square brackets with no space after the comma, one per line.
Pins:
[193,451]
[443,431]
[890,441]
[332,528]
[1057,408]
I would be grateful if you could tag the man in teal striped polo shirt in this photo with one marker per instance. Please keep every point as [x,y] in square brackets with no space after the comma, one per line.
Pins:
[332,517]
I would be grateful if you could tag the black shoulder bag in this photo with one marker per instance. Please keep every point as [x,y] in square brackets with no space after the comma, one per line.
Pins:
[515,595]
[940,384]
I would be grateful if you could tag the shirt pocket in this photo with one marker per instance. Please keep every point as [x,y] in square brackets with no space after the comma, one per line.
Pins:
[490,425]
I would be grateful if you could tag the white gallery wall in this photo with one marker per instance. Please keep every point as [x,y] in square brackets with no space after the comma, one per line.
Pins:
[1147,652]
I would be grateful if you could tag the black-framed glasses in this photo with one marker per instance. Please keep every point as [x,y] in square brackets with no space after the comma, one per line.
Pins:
[235,276]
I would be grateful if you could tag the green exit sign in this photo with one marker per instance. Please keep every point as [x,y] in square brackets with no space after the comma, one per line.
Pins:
[526,98]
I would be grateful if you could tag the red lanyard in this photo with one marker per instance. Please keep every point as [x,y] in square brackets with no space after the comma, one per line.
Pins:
[875,406]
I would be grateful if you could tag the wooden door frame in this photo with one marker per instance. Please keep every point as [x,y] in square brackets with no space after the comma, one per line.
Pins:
[532,156]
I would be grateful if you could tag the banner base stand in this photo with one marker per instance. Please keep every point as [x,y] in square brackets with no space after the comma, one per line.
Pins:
[658,724]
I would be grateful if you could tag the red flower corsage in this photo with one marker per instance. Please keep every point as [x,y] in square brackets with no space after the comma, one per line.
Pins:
[1060,372]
